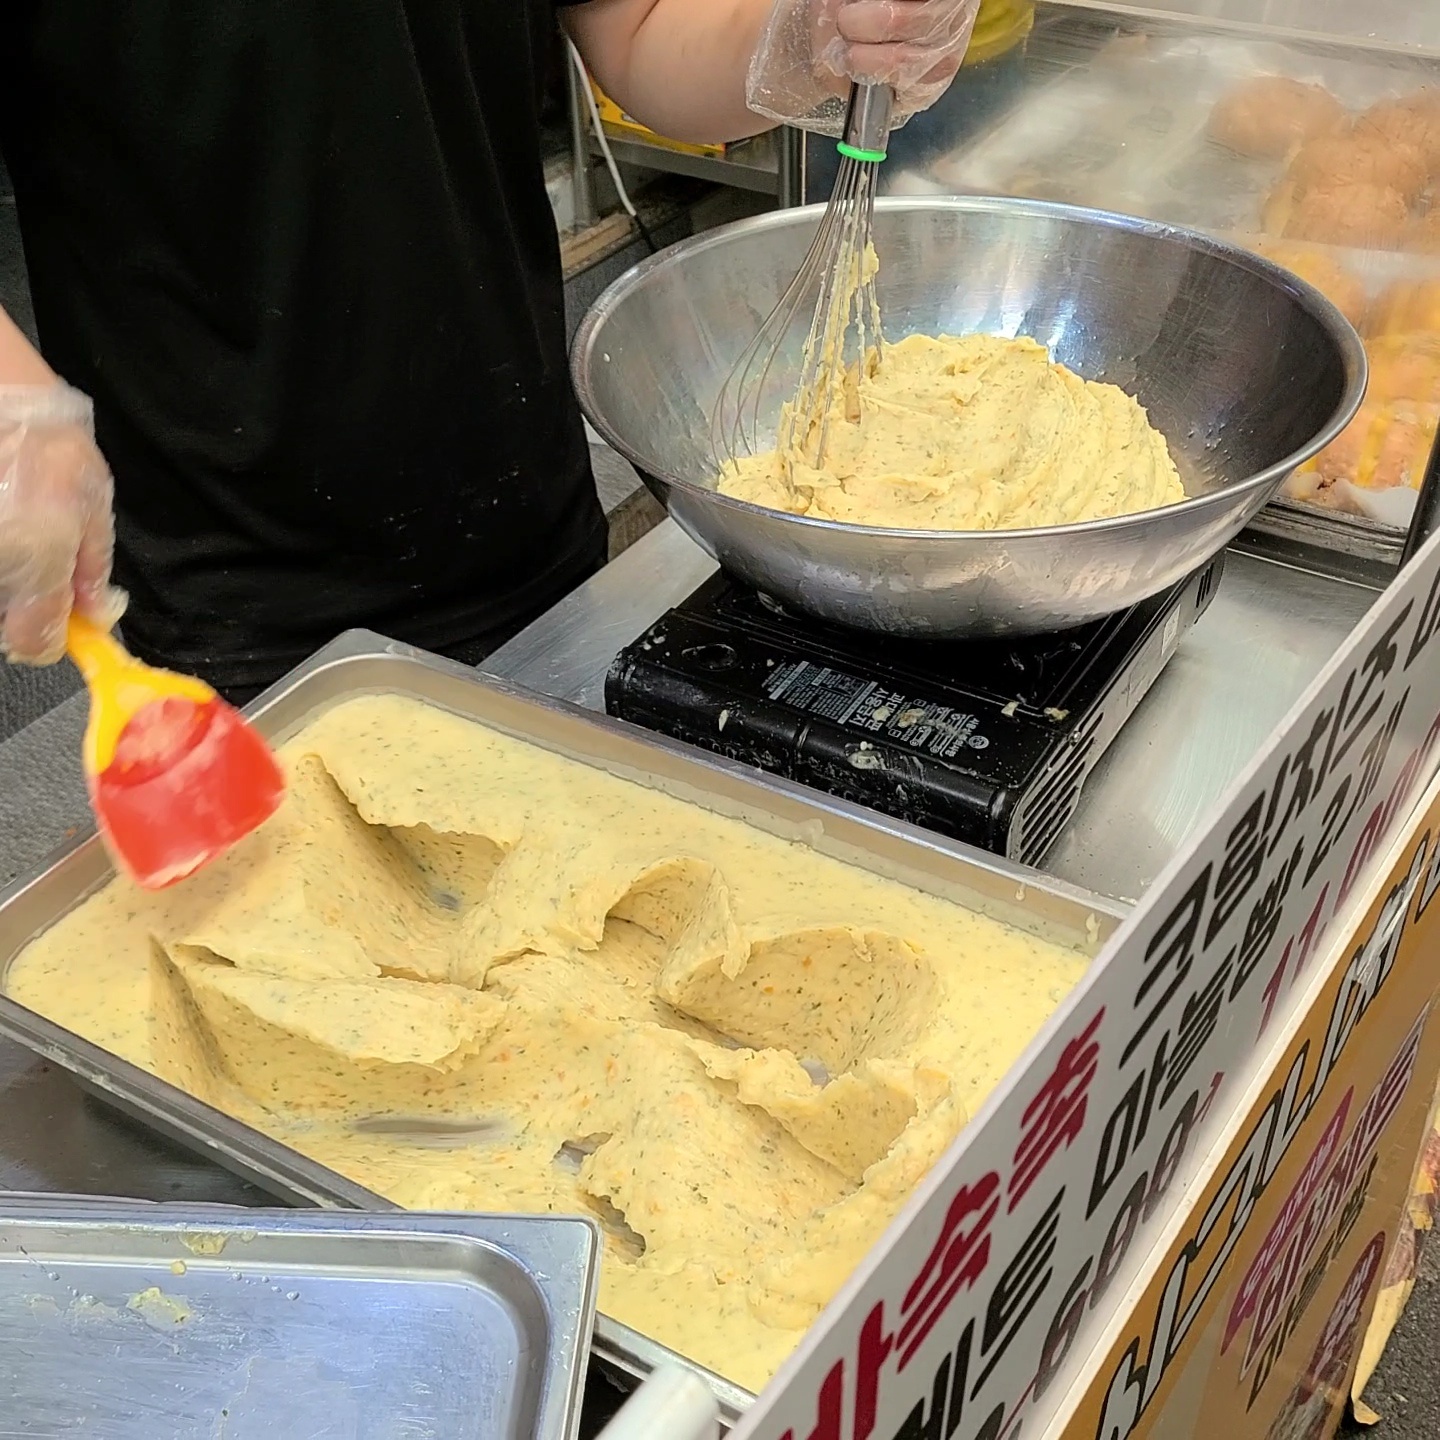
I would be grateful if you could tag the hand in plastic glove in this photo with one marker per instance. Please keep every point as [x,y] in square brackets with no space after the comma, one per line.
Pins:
[810,51]
[57,529]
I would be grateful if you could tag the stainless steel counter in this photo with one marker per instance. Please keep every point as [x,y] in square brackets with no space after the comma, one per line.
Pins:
[1265,636]
[1267,633]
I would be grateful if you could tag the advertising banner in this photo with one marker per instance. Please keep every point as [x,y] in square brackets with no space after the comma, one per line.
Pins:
[1402,1265]
[1252,1322]
[974,1314]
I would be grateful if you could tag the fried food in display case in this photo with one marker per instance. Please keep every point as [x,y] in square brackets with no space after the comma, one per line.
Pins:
[1266,116]
[1324,157]
[1377,464]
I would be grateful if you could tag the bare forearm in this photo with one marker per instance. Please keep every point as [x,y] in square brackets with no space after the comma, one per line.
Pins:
[20,362]
[677,66]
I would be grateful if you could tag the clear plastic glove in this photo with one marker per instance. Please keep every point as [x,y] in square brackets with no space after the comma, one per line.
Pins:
[57,527]
[811,50]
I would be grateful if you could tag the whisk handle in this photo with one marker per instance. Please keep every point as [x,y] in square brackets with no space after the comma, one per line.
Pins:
[867,122]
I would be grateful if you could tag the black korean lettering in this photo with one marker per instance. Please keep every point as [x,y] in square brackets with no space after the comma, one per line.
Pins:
[1338,811]
[1245,849]
[1168,958]
[1118,1237]
[1354,1205]
[1197,1024]
[1018,1290]
[1063,1329]
[1367,687]
[1431,884]
[1298,779]
[1127,1125]
[1355,788]
[994,1425]
[1177,1141]
[955,1411]
[928,1423]
[1377,751]
[1264,921]
[1300,1301]
[1116,1142]
[1429,622]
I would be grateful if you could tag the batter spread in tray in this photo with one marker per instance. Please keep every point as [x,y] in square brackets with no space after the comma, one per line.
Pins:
[970,433]
[470,973]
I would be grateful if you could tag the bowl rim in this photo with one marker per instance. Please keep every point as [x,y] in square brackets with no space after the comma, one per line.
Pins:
[1347,340]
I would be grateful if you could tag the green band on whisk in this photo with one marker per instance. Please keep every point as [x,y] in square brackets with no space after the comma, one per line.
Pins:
[853,152]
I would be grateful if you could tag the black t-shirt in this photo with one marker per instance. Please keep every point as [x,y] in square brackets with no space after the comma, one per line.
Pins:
[301,255]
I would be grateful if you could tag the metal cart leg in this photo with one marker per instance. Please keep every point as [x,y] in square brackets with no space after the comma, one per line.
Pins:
[1427,508]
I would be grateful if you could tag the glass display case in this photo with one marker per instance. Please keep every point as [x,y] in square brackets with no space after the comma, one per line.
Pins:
[1307,130]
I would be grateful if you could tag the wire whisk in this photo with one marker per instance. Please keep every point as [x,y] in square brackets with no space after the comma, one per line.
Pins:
[831,299]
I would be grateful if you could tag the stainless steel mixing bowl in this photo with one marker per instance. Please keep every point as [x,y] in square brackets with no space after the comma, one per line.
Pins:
[1246,370]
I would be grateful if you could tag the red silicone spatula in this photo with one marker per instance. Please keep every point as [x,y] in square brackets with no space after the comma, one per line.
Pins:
[176,775]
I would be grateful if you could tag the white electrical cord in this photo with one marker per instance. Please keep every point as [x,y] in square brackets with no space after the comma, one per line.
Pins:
[599,129]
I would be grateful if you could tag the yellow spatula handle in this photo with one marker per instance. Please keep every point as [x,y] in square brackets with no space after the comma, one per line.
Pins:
[119,686]
[96,653]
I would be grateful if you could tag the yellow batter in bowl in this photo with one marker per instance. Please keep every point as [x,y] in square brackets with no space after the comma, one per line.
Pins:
[469,973]
[974,432]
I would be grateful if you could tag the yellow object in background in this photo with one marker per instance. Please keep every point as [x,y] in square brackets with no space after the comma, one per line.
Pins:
[1000,26]
[617,122]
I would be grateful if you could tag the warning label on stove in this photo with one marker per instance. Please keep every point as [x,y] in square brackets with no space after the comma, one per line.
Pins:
[868,706]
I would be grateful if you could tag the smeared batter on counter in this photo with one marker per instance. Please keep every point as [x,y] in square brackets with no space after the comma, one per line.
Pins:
[469,973]
[969,433]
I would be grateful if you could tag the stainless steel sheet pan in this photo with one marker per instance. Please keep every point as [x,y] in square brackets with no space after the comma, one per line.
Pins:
[362,663]
[131,1320]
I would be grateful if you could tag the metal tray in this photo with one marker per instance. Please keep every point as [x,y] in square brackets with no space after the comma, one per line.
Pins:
[362,663]
[134,1320]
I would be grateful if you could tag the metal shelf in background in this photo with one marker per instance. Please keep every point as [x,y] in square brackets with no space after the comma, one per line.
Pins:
[769,164]
[750,165]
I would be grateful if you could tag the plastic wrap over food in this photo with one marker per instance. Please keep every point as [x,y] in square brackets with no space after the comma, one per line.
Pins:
[1326,163]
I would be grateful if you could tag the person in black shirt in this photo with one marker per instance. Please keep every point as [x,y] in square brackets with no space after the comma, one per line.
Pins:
[296,264]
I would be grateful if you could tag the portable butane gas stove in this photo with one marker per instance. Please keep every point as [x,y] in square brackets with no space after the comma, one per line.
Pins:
[986,741]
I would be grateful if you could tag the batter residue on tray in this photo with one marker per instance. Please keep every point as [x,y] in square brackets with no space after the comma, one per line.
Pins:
[470,973]
[975,432]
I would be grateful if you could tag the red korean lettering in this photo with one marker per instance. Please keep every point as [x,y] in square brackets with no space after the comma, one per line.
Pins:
[958,1258]
[830,1407]
[873,1351]
[1057,1114]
